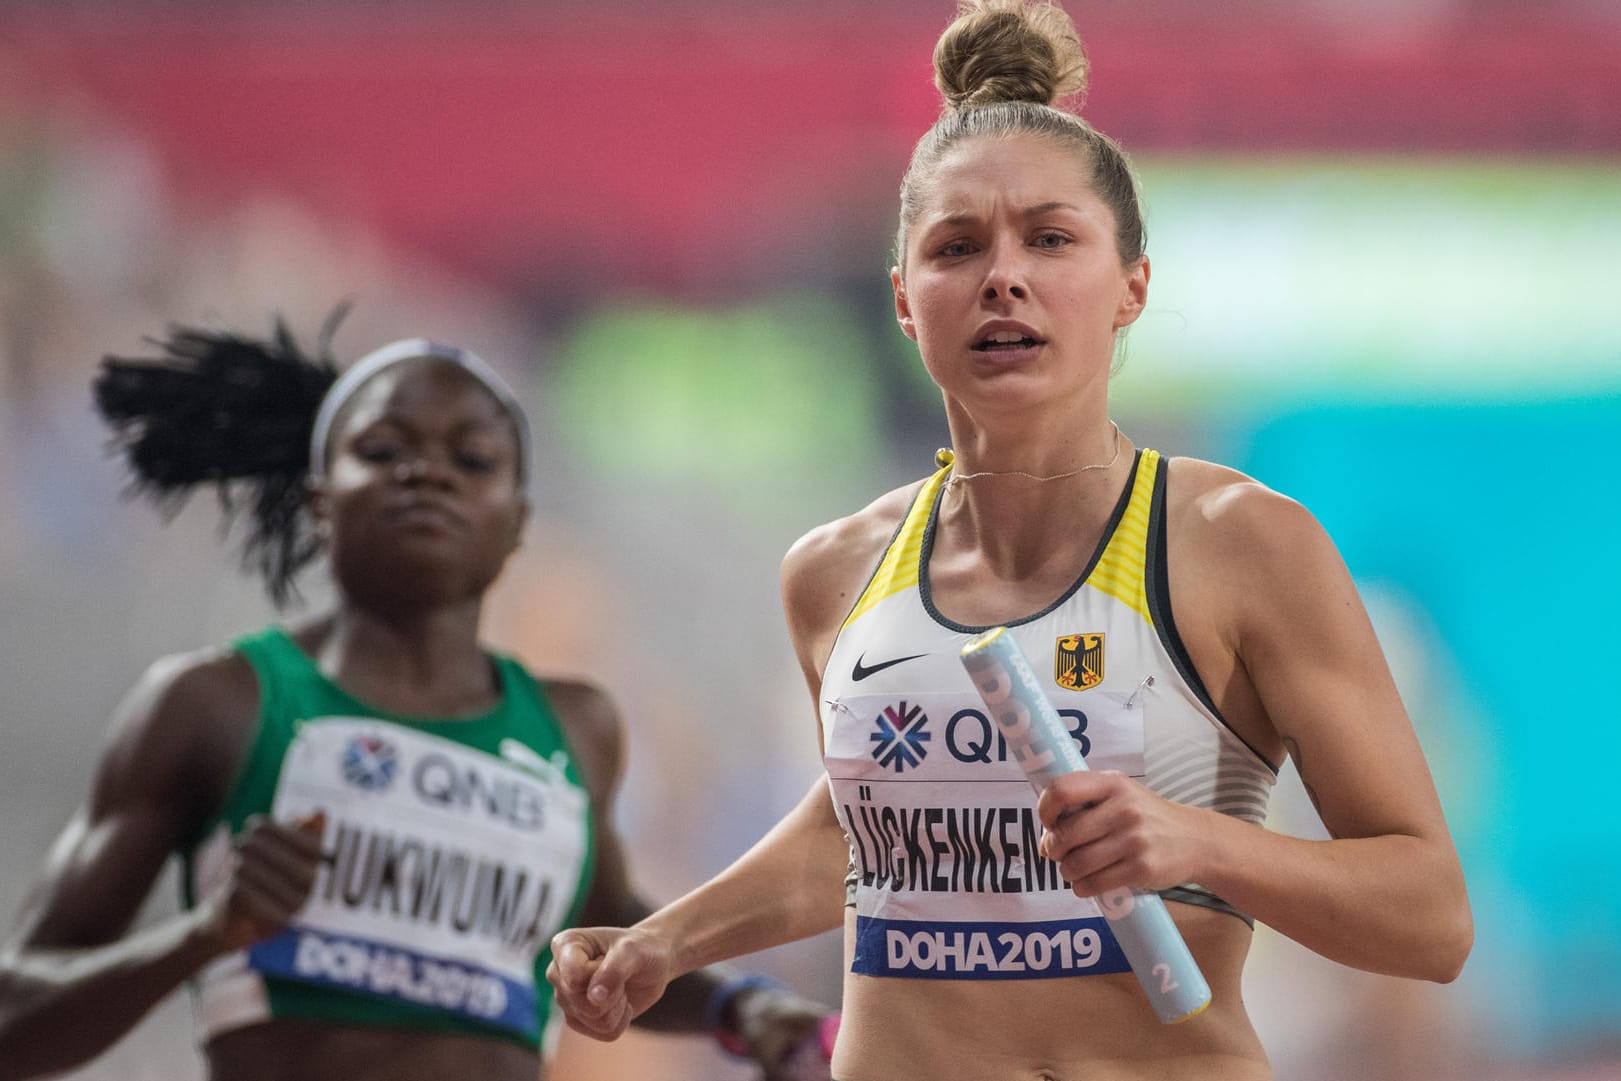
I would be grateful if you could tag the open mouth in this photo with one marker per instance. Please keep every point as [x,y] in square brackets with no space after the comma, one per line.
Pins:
[1006,341]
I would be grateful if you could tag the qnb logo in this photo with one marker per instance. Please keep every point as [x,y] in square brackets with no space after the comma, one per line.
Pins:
[900,740]
[370,762]
[463,787]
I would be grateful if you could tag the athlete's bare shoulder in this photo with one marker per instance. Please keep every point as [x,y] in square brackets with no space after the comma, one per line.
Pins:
[826,569]
[203,689]
[1226,513]
[1246,563]
[594,727]
[212,673]
[179,734]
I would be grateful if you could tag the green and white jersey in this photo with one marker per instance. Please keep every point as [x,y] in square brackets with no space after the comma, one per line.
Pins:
[454,851]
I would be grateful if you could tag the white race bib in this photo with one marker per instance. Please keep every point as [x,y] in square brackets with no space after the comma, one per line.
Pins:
[448,869]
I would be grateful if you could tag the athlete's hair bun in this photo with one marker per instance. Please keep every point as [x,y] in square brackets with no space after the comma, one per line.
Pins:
[1009,50]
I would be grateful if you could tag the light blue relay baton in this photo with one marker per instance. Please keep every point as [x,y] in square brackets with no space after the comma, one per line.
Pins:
[1042,745]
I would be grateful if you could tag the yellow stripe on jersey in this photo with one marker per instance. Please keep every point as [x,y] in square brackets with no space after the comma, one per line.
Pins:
[899,568]
[1121,572]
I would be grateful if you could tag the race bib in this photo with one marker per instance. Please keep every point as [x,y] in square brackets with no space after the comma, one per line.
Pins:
[447,869]
[950,883]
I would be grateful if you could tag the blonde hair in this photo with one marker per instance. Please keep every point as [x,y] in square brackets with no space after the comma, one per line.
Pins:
[1007,50]
[1002,67]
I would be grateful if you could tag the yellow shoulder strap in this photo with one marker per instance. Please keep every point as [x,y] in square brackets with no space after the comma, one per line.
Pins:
[1121,571]
[899,568]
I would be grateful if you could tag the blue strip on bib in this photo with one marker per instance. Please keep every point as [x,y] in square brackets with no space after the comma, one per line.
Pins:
[357,964]
[986,951]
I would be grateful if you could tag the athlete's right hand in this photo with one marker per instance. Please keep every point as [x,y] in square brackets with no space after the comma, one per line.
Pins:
[606,976]
[273,869]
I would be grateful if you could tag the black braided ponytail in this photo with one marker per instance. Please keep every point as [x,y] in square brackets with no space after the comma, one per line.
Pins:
[223,409]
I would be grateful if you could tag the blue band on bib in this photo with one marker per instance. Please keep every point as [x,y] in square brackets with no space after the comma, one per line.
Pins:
[939,950]
[357,964]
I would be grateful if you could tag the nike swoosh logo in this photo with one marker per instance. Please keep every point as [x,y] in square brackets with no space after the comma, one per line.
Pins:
[861,671]
[525,758]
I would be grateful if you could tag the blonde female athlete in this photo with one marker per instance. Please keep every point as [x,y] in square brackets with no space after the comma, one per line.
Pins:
[1192,626]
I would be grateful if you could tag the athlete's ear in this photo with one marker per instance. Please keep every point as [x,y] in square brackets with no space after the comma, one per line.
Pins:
[318,502]
[903,307]
[520,519]
[1134,297]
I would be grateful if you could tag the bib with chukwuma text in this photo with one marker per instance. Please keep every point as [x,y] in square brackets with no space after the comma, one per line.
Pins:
[447,869]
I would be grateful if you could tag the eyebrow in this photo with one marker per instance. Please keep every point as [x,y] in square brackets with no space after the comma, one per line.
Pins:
[967,217]
[473,425]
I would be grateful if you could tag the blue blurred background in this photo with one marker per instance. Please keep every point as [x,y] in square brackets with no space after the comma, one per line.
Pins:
[1383,236]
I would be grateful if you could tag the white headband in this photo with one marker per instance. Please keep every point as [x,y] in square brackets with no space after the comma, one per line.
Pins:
[414,349]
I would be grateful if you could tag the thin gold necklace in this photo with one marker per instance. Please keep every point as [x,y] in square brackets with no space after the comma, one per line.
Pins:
[1113,458]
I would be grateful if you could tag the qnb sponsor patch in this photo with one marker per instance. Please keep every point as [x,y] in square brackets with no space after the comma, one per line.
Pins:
[356,964]
[985,951]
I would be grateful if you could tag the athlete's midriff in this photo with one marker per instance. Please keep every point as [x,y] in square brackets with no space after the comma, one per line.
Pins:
[1086,1028]
[298,1050]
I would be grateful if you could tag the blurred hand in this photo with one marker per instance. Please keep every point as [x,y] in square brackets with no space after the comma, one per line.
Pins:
[606,976]
[273,868]
[807,1062]
[1106,832]
[785,1035]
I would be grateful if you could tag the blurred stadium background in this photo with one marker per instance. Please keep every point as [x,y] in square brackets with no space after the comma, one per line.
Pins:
[1384,236]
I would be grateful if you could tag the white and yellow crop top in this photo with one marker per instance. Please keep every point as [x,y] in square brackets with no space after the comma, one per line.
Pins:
[946,878]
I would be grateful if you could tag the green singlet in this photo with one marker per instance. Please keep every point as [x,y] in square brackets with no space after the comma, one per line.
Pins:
[455,849]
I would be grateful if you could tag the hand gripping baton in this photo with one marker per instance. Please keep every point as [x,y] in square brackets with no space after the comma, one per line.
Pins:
[1042,745]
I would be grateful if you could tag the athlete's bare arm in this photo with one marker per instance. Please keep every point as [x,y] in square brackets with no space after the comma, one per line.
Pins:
[70,983]
[1273,623]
